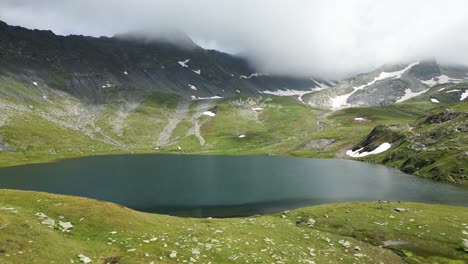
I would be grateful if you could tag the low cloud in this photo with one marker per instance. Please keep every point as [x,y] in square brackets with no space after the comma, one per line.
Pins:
[329,38]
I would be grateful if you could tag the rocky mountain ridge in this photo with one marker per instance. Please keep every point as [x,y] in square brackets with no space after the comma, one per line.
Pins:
[86,67]
[390,84]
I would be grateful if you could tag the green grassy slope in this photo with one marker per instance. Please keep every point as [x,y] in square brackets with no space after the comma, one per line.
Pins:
[108,233]
[40,124]
[432,146]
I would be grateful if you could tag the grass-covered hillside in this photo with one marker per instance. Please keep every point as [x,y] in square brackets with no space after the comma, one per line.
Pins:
[48,228]
[40,124]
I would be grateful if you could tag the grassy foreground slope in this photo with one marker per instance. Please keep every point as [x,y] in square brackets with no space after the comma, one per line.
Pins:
[338,233]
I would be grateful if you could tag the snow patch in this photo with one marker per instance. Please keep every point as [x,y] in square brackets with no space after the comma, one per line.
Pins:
[237,91]
[241,136]
[197,71]
[410,94]
[125,72]
[340,100]
[34,83]
[209,113]
[442,79]
[257,108]
[359,119]
[184,63]
[464,95]
[206,98]
[192,87]
[453,91]
[435,101]
[357,154]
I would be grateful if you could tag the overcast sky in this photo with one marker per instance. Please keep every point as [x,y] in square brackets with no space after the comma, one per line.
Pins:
[328,38]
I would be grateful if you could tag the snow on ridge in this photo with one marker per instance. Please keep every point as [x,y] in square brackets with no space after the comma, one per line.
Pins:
[184,63]
[453,91]
[250,76]
[340,100]
[193,87]
[321,85]
[410,94]
[464,95]
[287,92]
[209,113]
[358,154]
[442,79]
[395,74]
[197,71]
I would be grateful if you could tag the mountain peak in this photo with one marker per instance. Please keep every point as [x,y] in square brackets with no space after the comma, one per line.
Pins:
[174,37]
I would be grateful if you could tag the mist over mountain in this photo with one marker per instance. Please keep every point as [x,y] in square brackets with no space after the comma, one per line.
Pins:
[332,39]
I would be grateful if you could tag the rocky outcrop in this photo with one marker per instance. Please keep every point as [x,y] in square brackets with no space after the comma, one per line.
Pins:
[380,134]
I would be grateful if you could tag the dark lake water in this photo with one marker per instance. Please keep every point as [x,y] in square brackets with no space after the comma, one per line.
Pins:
[203,186]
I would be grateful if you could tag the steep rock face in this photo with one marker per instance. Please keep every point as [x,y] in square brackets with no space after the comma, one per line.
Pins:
[425,71]
[85,67]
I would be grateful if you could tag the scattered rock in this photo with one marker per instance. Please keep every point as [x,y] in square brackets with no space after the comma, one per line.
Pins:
[357,248]
[269,241]
[84,258]
[173,254]
[399,209]
[65,226]
[465,244]
[48,222]
[359,255]
[344,243]
[387,243]
[310,222]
